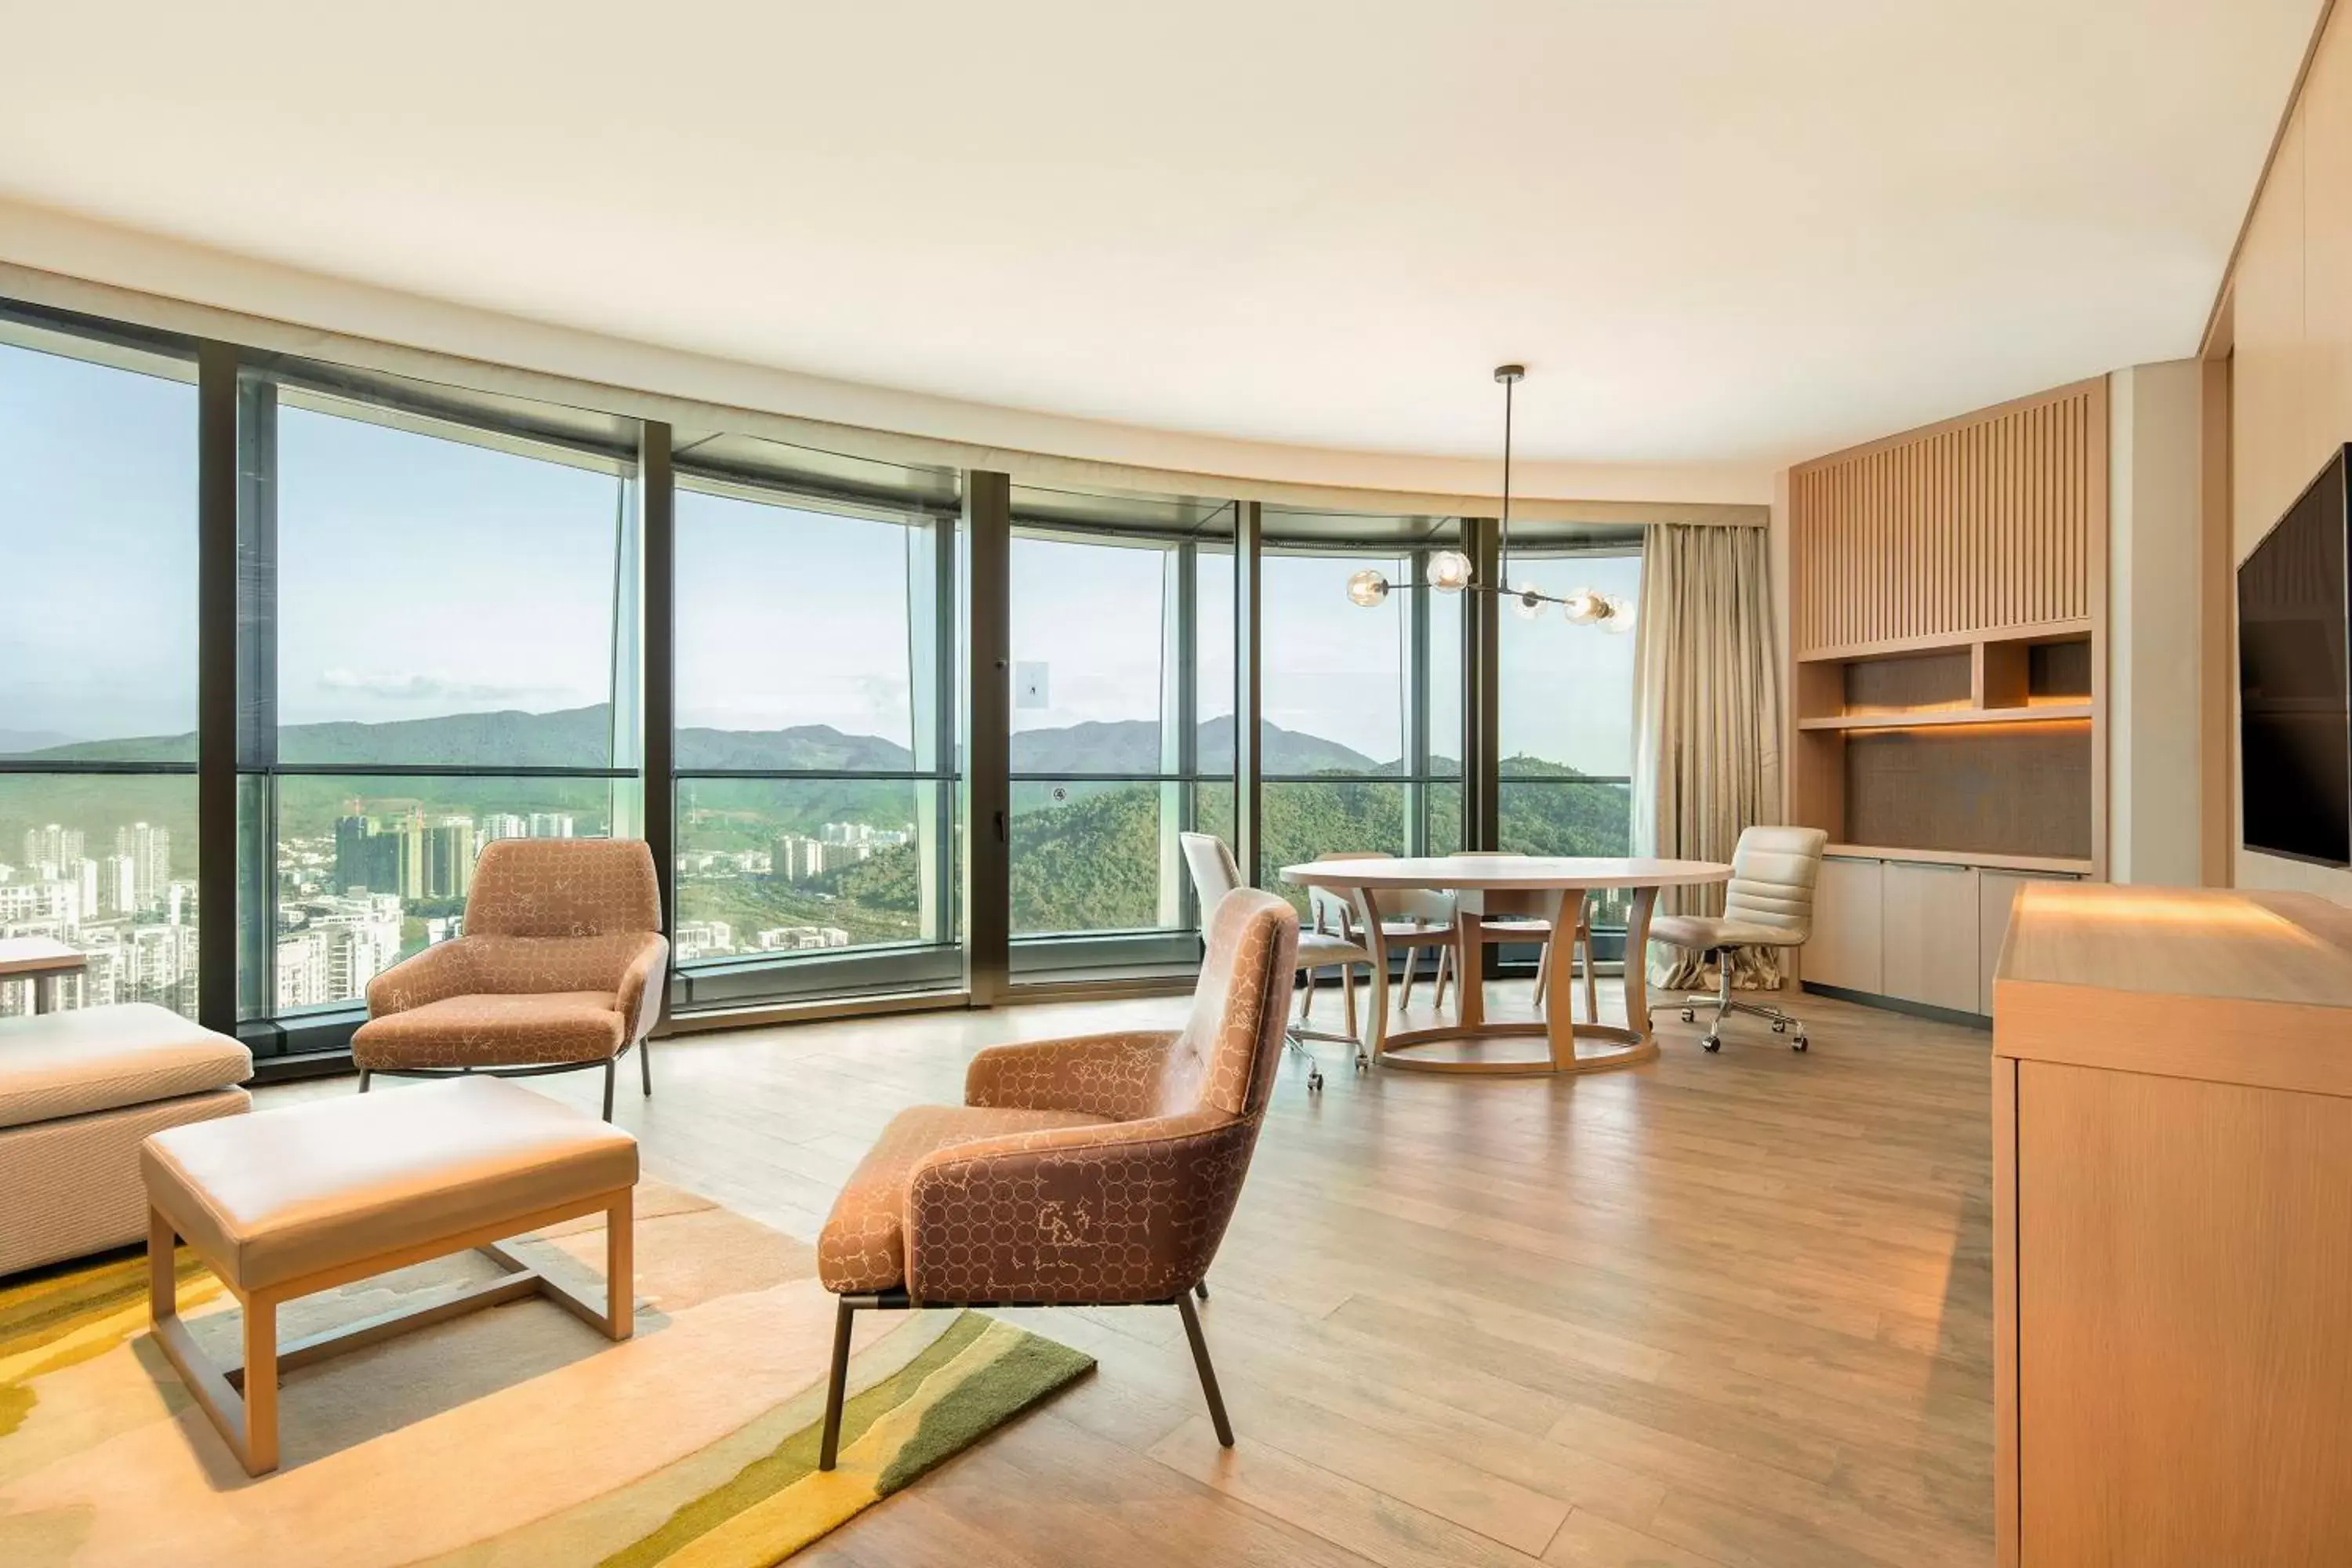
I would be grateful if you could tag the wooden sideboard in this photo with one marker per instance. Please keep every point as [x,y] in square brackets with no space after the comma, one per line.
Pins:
[2172,1229]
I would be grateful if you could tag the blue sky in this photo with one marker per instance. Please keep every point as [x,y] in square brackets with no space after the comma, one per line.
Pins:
[419,576]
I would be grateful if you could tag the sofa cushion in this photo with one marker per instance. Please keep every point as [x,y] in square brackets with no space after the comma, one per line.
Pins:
[863,1243]
[101,1058]
[280,1194]
[495,1029]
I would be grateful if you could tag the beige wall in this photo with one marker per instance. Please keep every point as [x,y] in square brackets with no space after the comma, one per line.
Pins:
[2154,577]
[2291,311]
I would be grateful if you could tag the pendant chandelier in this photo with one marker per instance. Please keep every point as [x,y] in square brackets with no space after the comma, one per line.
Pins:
[1450,571]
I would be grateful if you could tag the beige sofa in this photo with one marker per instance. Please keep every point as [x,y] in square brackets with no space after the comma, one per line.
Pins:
[78,1093]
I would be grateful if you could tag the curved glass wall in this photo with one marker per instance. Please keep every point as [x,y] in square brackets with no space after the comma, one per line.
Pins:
[448,616]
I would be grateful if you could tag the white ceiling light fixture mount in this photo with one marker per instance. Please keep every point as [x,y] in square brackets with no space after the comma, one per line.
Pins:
[1451,571]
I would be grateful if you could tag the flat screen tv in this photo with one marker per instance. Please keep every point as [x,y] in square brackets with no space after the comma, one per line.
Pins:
[2295,680]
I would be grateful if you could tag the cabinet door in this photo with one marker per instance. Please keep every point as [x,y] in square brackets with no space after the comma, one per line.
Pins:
[1844,949]
[1996,891]
[1930,933]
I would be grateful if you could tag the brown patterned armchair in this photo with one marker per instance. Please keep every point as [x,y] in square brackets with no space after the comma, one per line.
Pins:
[562,967]
[1092,1172]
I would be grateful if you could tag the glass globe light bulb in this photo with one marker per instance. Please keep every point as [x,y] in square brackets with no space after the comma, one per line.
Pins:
[1449,571]
[1367,587]
[1528,602]
[1584,606]
[1619,617]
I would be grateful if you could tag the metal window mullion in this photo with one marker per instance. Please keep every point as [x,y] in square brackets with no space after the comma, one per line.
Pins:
[942,674]
[657,705]
[1178,615]
[1249,578]
[988,739]
[1416,711]
[216,694]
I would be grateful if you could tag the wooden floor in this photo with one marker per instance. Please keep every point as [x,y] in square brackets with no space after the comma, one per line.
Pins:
[1723,1309]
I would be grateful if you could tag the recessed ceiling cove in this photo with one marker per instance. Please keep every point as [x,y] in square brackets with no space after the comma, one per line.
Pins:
[1716,231]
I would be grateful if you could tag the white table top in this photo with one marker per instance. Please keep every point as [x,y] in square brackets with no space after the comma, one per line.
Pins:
[1506,871]
[38,955]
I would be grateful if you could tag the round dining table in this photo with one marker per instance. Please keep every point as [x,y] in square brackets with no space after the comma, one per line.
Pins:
[1509,888]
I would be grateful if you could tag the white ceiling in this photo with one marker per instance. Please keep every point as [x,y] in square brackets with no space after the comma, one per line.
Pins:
[1715,230]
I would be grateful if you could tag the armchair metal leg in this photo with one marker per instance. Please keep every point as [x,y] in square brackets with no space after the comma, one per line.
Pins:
[836,1385]
[1201,1290]
[1208,1373]
[646,1064]
[611,1066]
[364,1075]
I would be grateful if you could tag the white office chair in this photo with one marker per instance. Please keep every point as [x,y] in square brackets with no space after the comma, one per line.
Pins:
[1770,904]
[1215,873]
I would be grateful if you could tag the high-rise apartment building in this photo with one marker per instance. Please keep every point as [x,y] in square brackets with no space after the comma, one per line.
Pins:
[149,848]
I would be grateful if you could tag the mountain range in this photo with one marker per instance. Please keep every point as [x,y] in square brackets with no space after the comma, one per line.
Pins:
[582,737]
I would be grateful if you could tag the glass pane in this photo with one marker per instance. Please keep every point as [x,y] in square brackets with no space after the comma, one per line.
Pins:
[373,869]
[106,863]
[1088,624]
[1567,694]
[440,601]
[1213,657]
[1445,687]
[1570,817]
[1086,857]
[1335,678]
[1310,819]
[98,524]
[794,630]
[776,867]
[1444,815]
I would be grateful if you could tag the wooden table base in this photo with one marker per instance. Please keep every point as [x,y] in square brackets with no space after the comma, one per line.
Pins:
[1570,1047]
[242,1401]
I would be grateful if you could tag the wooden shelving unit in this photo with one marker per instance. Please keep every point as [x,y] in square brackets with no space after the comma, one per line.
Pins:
[1947,713]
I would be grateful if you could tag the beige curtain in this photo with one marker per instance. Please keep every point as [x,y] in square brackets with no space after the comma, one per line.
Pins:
[1707,718]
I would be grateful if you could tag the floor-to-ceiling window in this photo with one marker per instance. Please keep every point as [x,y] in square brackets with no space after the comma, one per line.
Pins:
[1566,716]
[98,701]
[1122,661]
[437,649]
[817,618]
[1361,739]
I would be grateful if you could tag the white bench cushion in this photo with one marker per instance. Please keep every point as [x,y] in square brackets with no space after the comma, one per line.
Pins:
[282,1195]
[54,1065]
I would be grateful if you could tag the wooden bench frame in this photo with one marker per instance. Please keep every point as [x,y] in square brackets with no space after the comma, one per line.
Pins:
[242,1401]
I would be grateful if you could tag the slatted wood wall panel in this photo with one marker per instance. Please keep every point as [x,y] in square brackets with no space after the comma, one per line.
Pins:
[1988,522]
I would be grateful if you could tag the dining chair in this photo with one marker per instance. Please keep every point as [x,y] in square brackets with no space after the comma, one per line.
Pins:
[1216,874]
[1422,917]
[1769,903]
[1535,928]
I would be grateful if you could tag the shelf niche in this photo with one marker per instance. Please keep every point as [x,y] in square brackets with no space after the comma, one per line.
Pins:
[1977,744]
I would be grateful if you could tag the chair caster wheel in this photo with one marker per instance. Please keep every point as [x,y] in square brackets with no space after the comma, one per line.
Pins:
[1689,1017]
[1315,1081]
[1800,1044]
[1713,1042]
[1779,1026]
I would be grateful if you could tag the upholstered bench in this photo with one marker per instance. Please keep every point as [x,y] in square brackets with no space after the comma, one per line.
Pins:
[79,1091]
[288,1202]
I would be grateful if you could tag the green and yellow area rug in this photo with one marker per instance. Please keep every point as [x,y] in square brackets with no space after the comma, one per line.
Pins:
[512,1437]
